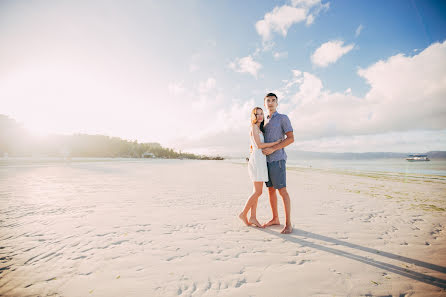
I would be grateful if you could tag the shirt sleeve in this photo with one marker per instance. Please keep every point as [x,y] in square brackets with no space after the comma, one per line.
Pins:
[286,124]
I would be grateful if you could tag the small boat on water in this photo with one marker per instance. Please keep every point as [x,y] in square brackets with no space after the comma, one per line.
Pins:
[414,158]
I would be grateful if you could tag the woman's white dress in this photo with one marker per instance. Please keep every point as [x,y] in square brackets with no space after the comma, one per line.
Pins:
[257,161]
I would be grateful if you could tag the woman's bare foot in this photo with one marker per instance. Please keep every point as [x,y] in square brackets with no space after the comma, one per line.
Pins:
[274,221]
[244,219]
[287,229]
[253,221]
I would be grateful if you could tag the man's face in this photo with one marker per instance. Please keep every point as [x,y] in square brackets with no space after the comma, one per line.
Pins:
[271,103]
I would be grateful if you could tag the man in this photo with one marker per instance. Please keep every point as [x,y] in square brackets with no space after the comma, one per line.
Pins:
[276,127]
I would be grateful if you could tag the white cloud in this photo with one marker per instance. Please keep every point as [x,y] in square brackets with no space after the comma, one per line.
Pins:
[206,86]
[404,110]
[280,19]
[246,65]
[419,141]
[305,3]
[330,52]
[289,85]
[203,55]
[268,45]
[193,67]
[226,129]
[176,88]
[280,55]
[309,90]
[358,30]
[310,19]
[207,121]
[206,96]
[296,72]
[406,94]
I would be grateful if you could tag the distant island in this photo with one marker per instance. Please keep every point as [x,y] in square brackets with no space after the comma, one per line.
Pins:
[15,141]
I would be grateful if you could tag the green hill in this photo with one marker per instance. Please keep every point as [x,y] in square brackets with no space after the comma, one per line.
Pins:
[15,141]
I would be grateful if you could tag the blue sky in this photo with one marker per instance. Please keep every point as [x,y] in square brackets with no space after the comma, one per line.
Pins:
[351,75]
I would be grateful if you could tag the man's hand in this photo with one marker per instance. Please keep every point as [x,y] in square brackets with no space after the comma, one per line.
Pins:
[268,151]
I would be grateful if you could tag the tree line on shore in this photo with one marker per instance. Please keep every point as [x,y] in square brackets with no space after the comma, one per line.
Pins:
[15,141]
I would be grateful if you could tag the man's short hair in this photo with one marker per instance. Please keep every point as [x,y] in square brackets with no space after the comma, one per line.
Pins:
[270,95]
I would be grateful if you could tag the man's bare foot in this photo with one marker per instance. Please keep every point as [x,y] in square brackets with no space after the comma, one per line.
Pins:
[274,221]
[253,221]
[244,219]
[287,229]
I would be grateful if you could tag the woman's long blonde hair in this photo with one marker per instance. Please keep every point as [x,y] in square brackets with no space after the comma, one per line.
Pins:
[254,118]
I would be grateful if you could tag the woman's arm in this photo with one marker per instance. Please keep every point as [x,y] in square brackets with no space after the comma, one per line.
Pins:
[288,140]
[255,132]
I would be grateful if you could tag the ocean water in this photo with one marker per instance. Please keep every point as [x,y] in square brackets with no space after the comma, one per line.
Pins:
[401,166]
[433,167]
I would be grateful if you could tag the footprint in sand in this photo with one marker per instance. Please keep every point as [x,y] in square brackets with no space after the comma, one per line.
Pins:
[437,230]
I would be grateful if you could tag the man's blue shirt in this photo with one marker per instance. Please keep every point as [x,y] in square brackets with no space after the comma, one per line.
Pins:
[276,127]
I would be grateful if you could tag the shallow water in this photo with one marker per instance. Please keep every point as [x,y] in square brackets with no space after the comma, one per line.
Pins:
[433,167]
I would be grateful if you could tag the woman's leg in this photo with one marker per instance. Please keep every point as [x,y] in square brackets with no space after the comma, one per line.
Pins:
[258,186]
[254,208]
[252,200]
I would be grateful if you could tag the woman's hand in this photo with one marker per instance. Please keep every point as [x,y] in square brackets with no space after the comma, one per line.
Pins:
[267,151]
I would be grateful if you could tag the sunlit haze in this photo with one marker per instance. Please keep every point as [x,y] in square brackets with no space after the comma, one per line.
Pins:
[352,76]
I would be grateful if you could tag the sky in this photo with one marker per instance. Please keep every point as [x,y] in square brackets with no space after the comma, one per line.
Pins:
[352,76]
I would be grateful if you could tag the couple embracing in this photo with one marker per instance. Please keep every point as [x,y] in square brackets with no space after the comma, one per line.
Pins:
[267,162]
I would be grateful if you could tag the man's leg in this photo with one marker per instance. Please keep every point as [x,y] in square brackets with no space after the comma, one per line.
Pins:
[273,202]
[287,205]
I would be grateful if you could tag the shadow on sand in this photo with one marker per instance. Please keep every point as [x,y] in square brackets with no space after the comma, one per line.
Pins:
[296,238]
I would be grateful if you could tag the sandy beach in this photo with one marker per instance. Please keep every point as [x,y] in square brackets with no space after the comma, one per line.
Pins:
[170,228]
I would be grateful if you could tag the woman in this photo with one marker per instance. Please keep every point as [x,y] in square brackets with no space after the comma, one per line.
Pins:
[257,169]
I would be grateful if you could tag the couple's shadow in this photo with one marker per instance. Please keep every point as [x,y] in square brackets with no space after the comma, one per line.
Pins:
[301,237]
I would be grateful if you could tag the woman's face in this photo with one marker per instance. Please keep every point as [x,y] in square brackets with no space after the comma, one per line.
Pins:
[259,115]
